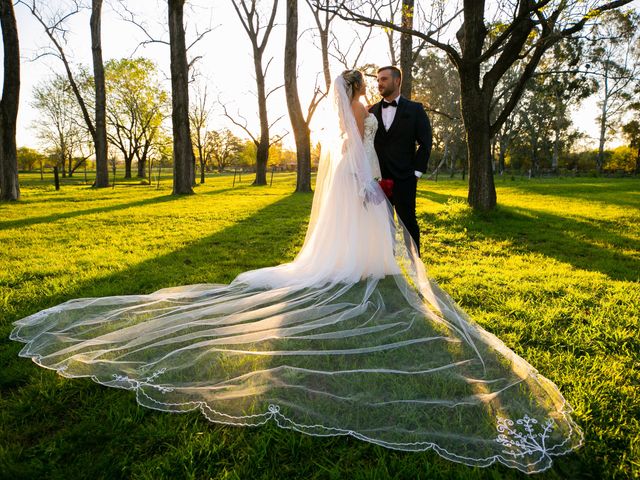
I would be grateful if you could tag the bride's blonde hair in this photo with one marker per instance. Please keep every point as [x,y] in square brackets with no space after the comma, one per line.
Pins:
[354,80]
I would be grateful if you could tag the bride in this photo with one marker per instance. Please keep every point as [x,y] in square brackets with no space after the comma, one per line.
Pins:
[350,338]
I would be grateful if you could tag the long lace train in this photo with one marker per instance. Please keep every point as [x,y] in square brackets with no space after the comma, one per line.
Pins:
[392,361]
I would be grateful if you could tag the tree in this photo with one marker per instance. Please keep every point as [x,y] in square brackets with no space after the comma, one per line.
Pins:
[567,86]
[519,33]
[615,62]
[57,126]
[28,158]
[222,147]
[323,21]
[542,117]
[9,185]
[199,116]
[183,157]
[54,27]
[102,168]
[536,123]
[299,124]
[436,86]
[406,48]
[250,18]
[136,108]
[632,131]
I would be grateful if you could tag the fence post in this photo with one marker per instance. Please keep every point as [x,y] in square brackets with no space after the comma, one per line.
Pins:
[56,178]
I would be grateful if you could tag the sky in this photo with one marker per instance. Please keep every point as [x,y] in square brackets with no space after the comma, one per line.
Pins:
[225,67]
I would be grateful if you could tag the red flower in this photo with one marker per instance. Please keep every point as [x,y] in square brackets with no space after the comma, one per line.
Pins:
[387,186]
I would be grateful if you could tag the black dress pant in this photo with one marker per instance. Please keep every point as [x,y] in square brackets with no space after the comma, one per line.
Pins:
[404,201]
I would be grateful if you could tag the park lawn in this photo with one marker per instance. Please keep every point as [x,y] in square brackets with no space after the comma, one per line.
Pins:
[554,272]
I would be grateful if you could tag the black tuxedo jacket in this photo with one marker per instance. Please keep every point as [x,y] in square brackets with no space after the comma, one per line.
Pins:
[396,148]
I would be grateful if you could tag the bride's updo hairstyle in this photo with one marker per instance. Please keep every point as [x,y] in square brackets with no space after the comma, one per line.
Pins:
[353,80]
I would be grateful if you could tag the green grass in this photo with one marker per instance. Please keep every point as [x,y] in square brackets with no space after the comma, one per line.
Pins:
[554,272]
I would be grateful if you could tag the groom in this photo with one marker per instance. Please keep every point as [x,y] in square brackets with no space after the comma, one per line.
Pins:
[401,124]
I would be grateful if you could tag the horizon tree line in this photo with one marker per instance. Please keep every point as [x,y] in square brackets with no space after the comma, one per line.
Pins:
[497,55]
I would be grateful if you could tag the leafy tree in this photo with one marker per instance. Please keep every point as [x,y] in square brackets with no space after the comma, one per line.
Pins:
[59,125]
[490,42]
[223,147]
[29,158]
[247,154]
[436,86]
[614,59]
[632,131]
[136,107]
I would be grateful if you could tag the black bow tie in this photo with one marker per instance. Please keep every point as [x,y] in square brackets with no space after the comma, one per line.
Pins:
[386,104]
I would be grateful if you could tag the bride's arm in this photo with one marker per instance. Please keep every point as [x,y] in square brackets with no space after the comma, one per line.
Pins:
[360,113]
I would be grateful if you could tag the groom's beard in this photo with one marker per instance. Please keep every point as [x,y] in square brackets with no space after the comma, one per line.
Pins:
[386,92]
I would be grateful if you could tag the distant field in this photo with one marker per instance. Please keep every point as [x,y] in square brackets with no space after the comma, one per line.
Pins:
[554,272]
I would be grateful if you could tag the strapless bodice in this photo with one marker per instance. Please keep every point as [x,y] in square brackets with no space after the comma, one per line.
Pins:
[370,129]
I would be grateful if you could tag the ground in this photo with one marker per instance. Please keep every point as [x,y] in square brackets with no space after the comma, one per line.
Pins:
[554,272]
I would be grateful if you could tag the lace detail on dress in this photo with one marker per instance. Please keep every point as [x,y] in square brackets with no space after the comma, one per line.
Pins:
[370,129]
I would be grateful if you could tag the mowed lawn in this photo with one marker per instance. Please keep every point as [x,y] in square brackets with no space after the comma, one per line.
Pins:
[554,273]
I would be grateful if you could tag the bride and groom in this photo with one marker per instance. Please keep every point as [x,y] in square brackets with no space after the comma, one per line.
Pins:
[350,338]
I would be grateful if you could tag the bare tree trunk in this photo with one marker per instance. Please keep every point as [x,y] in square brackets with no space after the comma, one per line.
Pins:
[49,30]
[182,151]
[142,160]
[300,127]
[193,166]
[603,131]
[250,20]
[9,185]
[127,166]
[323,24]
[102,168]
[324,46]
[262,154]
[406,49]
[535,162]
[475,113]
[503,144]
[557,129]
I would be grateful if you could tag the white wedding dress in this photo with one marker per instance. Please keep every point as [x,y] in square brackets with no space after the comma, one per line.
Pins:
[351,338]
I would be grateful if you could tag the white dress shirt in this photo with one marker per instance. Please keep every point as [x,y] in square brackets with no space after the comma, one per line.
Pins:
[388,114]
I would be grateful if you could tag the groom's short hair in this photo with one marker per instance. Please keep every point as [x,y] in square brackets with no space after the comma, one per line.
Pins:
[395,71]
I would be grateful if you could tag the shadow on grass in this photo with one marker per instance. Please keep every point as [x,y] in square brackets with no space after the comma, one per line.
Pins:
[621,192]
[77,429]
[25,222]
[586,244]
[250,243]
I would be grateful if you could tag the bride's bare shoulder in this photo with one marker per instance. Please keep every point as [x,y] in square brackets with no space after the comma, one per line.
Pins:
[359,108]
